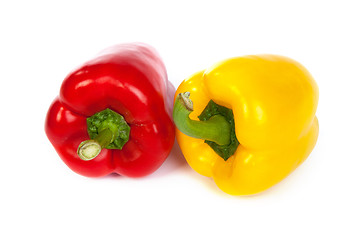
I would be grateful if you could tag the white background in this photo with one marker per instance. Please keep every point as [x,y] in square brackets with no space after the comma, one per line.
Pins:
[42,41]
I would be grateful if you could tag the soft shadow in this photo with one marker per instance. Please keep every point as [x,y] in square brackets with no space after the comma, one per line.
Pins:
[113,176]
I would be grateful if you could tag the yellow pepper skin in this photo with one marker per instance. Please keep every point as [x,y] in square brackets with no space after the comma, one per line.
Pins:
[274,100]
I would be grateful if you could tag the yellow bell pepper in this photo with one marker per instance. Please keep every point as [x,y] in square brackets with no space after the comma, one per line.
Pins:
[272,99]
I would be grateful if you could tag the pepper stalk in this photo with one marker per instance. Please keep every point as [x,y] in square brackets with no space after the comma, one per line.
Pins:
[107,129]
[217,129]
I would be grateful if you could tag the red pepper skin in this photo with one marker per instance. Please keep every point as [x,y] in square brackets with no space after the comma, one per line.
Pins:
[131,80]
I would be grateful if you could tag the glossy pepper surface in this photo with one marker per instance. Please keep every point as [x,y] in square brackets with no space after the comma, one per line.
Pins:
[113,114]
[272,100]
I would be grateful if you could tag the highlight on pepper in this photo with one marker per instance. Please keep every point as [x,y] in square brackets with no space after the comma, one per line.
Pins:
[247,122]
[104,120]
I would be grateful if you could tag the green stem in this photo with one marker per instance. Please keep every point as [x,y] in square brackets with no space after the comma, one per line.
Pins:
[217,129]
[106,129]
[89,149]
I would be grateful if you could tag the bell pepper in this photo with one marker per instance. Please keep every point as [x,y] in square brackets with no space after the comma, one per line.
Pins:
[247,122]
[113,114]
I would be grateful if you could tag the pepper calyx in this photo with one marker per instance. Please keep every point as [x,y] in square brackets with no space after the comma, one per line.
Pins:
[109,119]
[210,111]
[106,129]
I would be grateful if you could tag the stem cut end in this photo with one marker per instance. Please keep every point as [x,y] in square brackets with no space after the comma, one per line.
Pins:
[88,150]
[186,101]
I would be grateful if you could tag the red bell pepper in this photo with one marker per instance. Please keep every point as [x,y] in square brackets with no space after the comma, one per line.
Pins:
[113,114]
